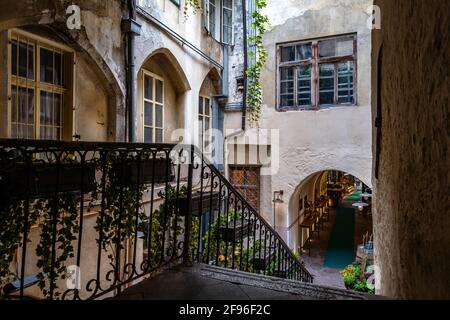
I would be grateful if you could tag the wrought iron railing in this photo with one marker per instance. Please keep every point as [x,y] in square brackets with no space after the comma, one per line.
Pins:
[82,220]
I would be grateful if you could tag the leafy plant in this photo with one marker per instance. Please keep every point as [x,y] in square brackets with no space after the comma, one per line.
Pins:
[260,24]
[254,94]
[350,275]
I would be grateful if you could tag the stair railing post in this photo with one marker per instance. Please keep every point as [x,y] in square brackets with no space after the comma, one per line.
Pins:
[187,255]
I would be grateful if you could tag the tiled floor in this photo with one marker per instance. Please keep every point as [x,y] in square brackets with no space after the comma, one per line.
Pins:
[314,263]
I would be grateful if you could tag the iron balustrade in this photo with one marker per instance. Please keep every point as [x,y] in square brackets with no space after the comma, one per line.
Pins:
[114,213]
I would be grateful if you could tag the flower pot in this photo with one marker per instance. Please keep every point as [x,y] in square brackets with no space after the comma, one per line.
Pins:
[195,203]
[145,170]
[45,180]
[232,233]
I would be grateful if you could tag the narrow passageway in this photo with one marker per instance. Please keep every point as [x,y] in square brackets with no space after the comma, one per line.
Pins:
[337,245]
[341,249]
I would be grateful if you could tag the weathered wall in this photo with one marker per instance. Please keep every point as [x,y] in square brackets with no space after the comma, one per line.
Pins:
[412,204]
[191,68]
[337,138]
[98,46]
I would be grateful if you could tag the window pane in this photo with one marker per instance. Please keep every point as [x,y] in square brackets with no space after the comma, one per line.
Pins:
[14,104]
[46,133]
[201,129]
[336,47]
[326,84]
[46,65]
[212,17]
[30,62]
[287,54]
[159,91]
[14,57]
[57,107]
[148,135]
[228,3]
[159,135]
[286,87]
[207,107]
[345,82]
[344,47]
[57,133]
[46,108]
[31,107]
[23,105]
[159,116]
[23,59]
[227,23]
[304,51]
[148,87]
[148,114]
[200,105]
[58,69]
[304,85]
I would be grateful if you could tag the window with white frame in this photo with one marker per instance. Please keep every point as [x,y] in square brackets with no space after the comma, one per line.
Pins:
[37,87]
[204,119]
[317,73]
[218,19]
[212,17]
[227,16]
[153,89]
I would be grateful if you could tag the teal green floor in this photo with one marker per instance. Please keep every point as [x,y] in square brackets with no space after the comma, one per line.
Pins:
[341,247]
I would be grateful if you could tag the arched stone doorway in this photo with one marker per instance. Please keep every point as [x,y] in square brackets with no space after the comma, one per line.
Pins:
[326,227]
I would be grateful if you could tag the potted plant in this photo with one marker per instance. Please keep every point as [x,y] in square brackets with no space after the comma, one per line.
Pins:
[45,179]
[149,170]
[195,203]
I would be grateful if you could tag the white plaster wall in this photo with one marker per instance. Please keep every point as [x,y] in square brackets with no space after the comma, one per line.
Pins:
[312,141]
[194,67]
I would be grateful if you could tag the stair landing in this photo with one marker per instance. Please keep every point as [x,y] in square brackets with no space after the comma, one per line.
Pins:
[204,282]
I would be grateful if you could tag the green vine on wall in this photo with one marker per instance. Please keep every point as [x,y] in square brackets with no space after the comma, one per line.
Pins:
[254,89]
[254,92]
[195,4]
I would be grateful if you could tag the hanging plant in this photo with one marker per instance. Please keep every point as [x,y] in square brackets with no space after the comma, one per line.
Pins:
[254,92]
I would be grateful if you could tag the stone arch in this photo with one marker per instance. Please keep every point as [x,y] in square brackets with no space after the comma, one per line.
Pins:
[212,79]
[52,20]
[164,57]
[162,65]
[293,199]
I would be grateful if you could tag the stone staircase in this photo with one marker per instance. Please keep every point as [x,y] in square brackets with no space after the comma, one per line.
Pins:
[205,282]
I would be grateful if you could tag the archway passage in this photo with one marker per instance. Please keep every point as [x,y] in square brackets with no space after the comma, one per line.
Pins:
[333,223]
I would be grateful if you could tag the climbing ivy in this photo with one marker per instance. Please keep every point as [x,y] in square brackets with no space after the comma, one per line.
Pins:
[254,93]
[195,4]
[254,90]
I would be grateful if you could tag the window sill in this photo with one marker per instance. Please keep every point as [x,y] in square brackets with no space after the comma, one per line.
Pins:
[322,107]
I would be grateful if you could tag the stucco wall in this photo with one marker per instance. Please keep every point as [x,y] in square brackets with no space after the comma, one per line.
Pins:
[98,46]
[411,203]
[337,138]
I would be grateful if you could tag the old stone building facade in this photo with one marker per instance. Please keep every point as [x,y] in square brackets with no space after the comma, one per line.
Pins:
[313,135]
[324,85]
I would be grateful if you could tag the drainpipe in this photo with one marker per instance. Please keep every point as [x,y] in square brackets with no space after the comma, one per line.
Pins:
[244,94]
[133,29]
[244,100]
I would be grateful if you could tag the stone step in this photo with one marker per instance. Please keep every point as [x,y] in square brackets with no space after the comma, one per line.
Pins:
[312,291]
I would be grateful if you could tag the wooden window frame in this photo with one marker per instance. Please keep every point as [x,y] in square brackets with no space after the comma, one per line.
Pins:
[154,103]
[315,61]
[65,89]
[203,116]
